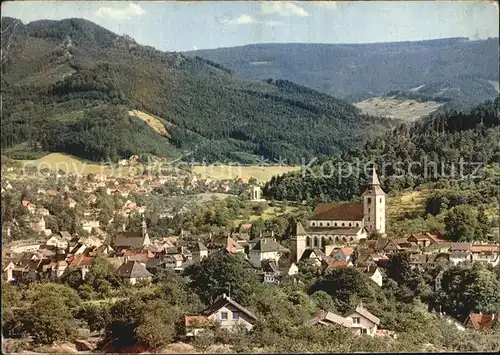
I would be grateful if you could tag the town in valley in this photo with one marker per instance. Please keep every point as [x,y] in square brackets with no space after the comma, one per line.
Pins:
[286,194]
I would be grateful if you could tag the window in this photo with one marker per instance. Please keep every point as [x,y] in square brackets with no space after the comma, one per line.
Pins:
[357,224]
[223,315]
[369,200]
[369,209]
[364,331]
[380,200]
[343,224]
[313,224]
[355,320]
[320,224]
[236,315]
[335,224]
[350,224]
[368,219]
[328,224]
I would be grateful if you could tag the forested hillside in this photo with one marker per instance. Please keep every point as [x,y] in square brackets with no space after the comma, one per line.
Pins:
[410,155]
[460,71]
[67,86]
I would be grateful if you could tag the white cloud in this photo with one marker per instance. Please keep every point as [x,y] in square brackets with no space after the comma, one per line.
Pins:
[242,20]
[285,9]
[126,13]
[325,4]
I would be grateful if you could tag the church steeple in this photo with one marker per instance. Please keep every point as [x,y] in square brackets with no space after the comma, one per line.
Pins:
[374,205]
[374,180]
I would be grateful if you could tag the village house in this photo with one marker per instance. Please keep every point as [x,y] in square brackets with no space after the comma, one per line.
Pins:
[133,272]
[315,255]
[225,311]
[25,246]
[266,249]
[37,223]
[479,321]
[29,206]
[199,251]
[41,211]
[57,242]
[345,254]
[424,240]
[486,253]
[7,267]
[459,257]
[89,225]
[81,263]
[373,273]
[69,202]
[359,321]
[329,264]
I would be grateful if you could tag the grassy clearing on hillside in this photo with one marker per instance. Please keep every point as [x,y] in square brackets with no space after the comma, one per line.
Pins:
[70,164]
[152,121]
[225,172]
[406,110]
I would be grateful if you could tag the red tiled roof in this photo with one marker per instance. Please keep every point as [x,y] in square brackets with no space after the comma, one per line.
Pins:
[347,251]
[190,321]
[481,321]
[485,248]
[80,260]
[336,263]
[338,212]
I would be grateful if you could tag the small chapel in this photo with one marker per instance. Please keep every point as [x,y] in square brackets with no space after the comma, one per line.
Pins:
[342,222]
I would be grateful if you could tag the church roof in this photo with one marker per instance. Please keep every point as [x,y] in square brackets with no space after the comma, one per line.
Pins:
[129,240]
[338,212]
[333,230]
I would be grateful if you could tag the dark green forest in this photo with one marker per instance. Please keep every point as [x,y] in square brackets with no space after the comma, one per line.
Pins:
[67,84]
[457,71]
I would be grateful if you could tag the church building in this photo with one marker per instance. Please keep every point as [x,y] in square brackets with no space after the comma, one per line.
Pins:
[342,222]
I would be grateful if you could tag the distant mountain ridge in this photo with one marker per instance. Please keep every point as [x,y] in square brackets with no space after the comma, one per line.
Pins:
[457,70]
[68,86]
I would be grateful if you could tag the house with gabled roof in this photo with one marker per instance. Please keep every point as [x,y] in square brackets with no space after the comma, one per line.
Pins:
[69,202]
[373,273]
[199,251]
[329,264]
[486,253]
[345,254]
[315,255]
[80,262]
[133,272]
[226,312]
[359,321]
[363,322]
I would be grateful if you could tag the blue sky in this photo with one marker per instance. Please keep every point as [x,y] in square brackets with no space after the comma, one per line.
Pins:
[179,26]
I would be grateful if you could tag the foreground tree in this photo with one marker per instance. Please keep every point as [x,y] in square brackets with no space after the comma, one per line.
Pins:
[222,273]
[461,224]
[49,319]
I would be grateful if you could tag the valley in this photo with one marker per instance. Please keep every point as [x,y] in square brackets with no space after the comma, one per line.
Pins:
[287,191]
